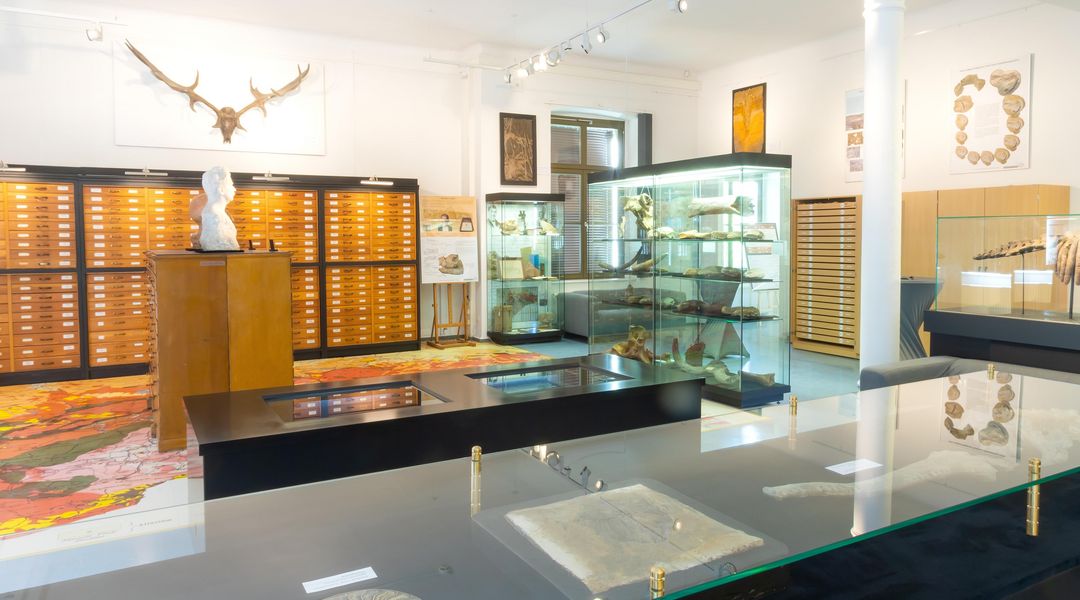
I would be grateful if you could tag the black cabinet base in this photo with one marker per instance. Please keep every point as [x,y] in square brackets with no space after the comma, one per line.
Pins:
[244,447]
[1034,343]
[510,339]
[752,395]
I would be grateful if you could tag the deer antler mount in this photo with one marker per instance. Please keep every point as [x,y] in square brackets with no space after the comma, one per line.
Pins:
[228,118]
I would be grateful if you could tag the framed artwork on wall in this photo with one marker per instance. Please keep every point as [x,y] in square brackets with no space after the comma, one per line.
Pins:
[748,119]
[517,149]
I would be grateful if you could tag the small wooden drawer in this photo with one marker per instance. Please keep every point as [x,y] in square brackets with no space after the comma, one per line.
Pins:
[47,363]
[46,338]
[118,323]
[134,358]
[35,187]
[49,326]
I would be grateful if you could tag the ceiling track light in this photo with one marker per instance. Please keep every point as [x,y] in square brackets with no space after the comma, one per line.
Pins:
[540,62]
[553,57]
[4,168]
[508,77]
[522,71]
[586,43]
[602,36]
[678,6]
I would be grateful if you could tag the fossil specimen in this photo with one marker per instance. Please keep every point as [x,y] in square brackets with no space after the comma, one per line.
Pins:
[1012,142]
[993,435]
[1014,123]
[1003,377]
[961,137]
[1012,104]
[647,265]
[721,205]
[695,354]
[970,79]
[641,206]
[973,157]
[1066,264]
[1006,81]
[635,346]
[961,122]
[692,234]
[373,594]
[954,410]
[228,118]
[1003,412]
[1006,393]
[762,379]
[664,233]
[954,379]
[1014,248]
[986,157]
[1002,155]
[954,392]
[963,104]
[960,434]
[548,228]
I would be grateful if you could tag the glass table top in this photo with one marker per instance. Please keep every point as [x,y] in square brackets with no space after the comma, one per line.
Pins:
[710,500]
[306,406]
[526,381]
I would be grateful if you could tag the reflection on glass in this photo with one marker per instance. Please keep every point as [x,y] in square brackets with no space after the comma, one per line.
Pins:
[342,402]
[528,381]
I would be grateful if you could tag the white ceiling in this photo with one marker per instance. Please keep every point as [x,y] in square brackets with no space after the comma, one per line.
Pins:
[712,33]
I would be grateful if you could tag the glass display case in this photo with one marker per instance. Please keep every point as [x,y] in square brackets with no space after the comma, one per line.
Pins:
[1018,266]
[687,265]
[525,254]
[591,517]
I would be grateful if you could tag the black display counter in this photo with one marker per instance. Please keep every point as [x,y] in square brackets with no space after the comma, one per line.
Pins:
[1045,344]
[258,440]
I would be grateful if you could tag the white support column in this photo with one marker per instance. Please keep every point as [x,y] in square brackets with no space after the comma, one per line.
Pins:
[879,331]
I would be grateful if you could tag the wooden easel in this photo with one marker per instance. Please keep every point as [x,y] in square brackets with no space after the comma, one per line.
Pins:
[462,338]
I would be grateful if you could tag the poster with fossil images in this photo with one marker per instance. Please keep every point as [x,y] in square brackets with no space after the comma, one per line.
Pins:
[449,249]
[982,412]
[854,124]
[990,122]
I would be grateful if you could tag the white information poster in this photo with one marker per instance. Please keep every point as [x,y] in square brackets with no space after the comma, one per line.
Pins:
[854,123]
[449,248]
[991,115]
[149,112]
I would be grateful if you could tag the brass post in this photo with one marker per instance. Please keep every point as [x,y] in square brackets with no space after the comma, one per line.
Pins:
[991,370]
[1034,474]
[793,421]
[474,482]
[657,577]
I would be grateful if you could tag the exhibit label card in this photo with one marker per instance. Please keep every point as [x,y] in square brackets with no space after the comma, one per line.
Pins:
[853,466]
[333,581]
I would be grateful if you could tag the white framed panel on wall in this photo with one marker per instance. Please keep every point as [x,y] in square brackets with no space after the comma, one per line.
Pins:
[150,114]
[991,120]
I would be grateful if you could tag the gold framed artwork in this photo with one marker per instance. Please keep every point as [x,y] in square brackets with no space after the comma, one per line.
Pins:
[748,119]
[517,149]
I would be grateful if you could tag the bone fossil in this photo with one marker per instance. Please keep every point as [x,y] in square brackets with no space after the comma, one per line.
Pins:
[228,118]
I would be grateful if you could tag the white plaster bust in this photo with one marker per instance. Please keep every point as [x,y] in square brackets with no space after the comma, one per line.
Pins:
[216,231]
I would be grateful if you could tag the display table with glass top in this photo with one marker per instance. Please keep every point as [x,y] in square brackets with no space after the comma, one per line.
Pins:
[689,270]
[263,439]
[591,517]
[525,266]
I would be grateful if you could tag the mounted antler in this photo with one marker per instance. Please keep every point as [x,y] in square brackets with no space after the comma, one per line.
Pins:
[228,118]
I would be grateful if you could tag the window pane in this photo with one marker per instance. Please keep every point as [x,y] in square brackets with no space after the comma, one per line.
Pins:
[566,144]
[602,225]
[603,147]
[570,184]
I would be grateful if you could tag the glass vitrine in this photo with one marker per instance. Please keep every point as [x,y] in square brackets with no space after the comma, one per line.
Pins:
[524,262]
[687,269]
[1020,266]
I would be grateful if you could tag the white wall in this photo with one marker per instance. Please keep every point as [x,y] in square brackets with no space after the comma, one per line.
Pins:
[806,88]
[388,112]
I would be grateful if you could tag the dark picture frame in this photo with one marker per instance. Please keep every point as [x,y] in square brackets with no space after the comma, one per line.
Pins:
[517,149]
[744,131]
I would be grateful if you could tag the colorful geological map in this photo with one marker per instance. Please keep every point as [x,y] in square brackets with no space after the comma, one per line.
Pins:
[77,449]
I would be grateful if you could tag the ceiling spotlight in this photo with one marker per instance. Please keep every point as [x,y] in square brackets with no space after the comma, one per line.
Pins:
[553,57]
[95,34]
[522,71]
[602,36]
[529,67]
[540,62]
[679,6]
[567,47]
[586,43]
[508,76]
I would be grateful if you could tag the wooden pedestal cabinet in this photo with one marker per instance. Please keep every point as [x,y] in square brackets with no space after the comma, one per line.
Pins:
[219,322]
